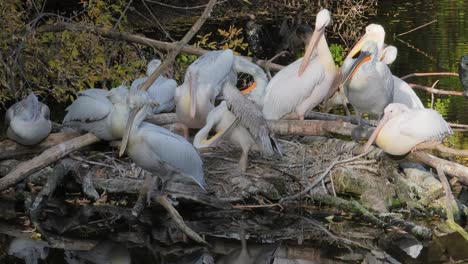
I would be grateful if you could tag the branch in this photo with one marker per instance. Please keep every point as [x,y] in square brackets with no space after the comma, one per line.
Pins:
[117,35]
[429,74]
[448,167]
[435,91]
[173,54]
[50,155]
[10,149]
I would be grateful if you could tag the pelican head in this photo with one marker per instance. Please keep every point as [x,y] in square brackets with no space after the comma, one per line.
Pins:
[374,32]
[322,20]
[153,65]
[139,104]
[388,54]
[390,112]
[369,52]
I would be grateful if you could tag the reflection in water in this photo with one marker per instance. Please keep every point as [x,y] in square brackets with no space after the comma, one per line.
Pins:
[434,48]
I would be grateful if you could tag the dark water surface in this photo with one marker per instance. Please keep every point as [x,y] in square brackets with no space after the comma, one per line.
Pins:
[434,48]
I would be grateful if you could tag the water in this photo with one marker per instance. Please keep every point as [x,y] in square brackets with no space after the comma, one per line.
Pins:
[434,48]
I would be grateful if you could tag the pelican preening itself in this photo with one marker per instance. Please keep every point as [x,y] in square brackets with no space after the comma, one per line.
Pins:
[161,91]
[28,121]
[101,112]
[156,149]
[401,129]
[224,122]
[303,84]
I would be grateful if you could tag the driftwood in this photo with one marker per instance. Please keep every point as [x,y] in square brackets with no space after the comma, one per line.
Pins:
[50,155]
[10,149]
[417,74]
[435,91]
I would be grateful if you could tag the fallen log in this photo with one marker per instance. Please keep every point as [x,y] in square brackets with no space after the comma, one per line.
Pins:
[10,149]
[50,155]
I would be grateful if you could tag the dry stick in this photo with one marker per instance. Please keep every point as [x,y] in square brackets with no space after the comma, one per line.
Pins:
[178,48]
[435,91]
[48,156]
[118,35]
[164,202]
[450,205]
[414,29]
[440,147]
[320,178]
[429,74]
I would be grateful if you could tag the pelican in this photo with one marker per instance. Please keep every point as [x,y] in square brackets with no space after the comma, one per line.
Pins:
[28,121]
[101,112]
[223,120]
[161,91]
[156,149]
[303,84]
[368,82]
[463,73]
[402,128]
[387,54]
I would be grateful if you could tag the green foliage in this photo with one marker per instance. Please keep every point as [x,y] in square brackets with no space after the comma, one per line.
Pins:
[63,63]
[441,105]
[338,53]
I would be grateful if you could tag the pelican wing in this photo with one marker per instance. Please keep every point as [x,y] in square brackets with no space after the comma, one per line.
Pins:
[251,118]
[91,105]
[386,75]
[403,94]
[425,125]
[174,150]
[163,92]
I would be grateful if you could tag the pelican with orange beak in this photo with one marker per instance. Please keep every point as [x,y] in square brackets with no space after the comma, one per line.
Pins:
[402,129]
[302,85]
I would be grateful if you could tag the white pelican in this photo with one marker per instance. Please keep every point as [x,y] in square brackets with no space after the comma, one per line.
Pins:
[161,91]
[368,82]
[402,128]
[103,113]
[225,122]
[303,84]
[463,73]
[387,54]
[28,121]
[156,149]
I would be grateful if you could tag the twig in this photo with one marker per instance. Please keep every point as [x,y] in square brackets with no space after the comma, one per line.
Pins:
[50,155]
[164,202]
[442,148]
[173,54]
[319,179]
[414,29]
[429,74]
[432,94]
[436,91]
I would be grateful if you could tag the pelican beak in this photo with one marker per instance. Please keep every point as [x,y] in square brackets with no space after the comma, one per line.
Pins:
[376,132]
[363,57]
[206,143]
[193,96]
[128,128]
[358,46]
[250,88]
[318,33]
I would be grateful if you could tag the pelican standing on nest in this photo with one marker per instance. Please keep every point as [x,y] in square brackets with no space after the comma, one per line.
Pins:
[161,91]
[368,83]
[101,112]
[156,149]
[402,92]
[28,121]
[402,129]
[303,84]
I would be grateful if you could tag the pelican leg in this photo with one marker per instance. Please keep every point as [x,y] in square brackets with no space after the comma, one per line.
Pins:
[360,132]
[186,131]
[244,161]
